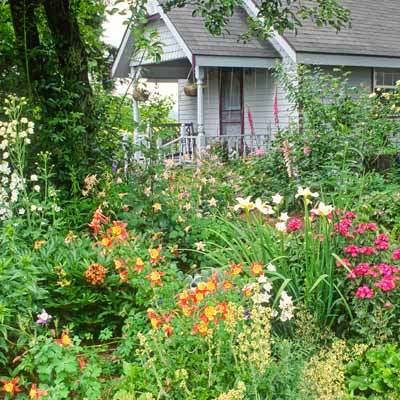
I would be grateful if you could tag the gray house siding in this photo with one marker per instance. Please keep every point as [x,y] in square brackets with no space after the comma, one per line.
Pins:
[170,47]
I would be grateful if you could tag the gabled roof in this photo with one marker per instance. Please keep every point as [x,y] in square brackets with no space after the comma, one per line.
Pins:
[374,31]
[201,42]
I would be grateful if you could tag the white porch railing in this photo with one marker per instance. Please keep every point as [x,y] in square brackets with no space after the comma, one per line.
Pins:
[188,148]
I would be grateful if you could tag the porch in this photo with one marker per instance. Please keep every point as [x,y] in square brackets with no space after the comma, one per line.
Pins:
[232,107]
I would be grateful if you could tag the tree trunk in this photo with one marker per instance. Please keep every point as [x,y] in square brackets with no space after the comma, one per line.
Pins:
[27,38]
[70,50]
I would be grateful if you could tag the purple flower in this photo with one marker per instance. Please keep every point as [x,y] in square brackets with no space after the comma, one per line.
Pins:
[114,166]
[43,318]
[247,315]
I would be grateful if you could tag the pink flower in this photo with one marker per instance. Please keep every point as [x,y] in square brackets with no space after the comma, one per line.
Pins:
[388,304]
[364,292]
[352,249]
[396,254]
[294,224]
[383,237]
[385,269]
[386,283]
[343,226]
[259,152]
[307,150]
[350,215]
[361,269]
[367,250]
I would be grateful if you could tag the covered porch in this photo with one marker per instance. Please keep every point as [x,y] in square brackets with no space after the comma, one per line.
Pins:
[232,106]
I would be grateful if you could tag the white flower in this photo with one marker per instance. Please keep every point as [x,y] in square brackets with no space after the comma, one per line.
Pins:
[36,188]
[57,208]
[24,120]
[200,246]
[280,226]
[306,192]
[14,196]
[264,208]
[284,217]
[21,211]
[33,207]
[267,287]
[212,202]
[27,141]
[31,124]
[34,178]
[286,316]
[271,267]
[262,279]
[323,209]
[4,168]
[5,155]
[259,298]
[3,144]
[277,199]
[246,204]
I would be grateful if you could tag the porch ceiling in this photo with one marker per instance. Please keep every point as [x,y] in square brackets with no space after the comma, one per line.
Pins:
[168,71]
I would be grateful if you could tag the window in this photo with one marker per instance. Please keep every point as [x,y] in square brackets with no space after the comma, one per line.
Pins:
[386,78]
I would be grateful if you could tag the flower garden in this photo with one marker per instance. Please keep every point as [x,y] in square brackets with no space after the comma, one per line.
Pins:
[272,277]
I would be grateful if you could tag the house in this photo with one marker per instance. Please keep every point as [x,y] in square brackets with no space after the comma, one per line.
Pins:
[236,91]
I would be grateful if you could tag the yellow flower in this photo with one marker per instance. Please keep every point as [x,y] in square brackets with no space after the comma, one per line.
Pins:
[157,207]
[245,204]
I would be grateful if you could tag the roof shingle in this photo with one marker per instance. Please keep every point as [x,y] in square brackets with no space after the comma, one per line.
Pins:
[201,42]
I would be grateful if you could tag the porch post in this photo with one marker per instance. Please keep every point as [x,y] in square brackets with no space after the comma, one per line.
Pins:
[135,114]
[199,73]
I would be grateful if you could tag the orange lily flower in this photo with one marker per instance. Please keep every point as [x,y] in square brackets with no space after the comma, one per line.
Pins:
[155,277]
[236,269]
[256,268]
[65,340]
[11,386]
[139,264]
[35,392]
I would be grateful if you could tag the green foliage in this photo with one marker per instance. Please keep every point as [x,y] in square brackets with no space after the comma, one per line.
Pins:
[374,374]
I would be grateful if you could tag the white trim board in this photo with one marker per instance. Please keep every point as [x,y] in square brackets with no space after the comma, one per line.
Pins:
[121,51]
[237,62]
[347,60]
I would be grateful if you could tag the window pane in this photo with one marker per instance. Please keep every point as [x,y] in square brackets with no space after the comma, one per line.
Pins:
[379,78]
[388,79]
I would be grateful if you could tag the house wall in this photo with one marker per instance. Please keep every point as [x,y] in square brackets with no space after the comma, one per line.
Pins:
[171,49]
[258,95]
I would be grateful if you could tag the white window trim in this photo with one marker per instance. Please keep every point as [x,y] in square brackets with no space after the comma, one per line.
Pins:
[375,70]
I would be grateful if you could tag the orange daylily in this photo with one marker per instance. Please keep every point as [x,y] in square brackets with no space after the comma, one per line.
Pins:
[201,328]
[209,314]
[236,269]
[11,386]
[119,263]
[168,329]
[154,255]
[35,392]
[65,340]
[118,230]
[257,268]
[155,277]
[227,285]
[139,264]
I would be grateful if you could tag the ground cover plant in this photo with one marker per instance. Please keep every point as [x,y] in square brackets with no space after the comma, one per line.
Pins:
[211,281]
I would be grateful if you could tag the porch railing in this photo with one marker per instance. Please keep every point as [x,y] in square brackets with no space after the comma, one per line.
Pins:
[187,148]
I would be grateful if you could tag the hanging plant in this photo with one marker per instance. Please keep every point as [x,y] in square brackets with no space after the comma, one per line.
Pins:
[190,89]
[140,94]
